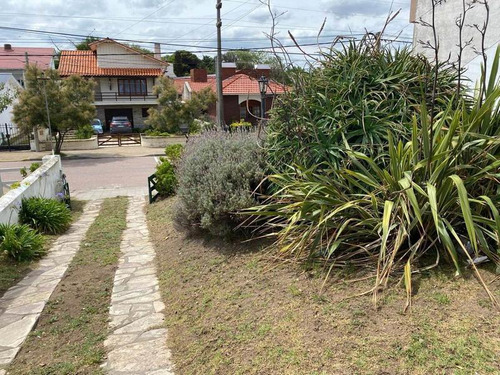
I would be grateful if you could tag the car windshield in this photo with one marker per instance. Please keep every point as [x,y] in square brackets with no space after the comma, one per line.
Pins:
[120,119]
[96,122]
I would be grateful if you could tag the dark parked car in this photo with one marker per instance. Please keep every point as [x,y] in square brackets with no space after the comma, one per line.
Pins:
[120,124]
[97,126]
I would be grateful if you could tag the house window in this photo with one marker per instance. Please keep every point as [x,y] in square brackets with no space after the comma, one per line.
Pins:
[135,86]
[243,112]
[145,112]
[255,110]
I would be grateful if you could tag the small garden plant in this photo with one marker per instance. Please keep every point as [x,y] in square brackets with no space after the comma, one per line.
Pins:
[46,215]
[20,242]
[217,175]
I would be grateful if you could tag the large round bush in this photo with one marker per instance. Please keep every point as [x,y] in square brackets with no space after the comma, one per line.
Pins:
[355,96]
[217,176]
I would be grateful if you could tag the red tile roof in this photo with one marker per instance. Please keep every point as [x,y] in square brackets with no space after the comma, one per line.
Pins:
[15,58]
[84,63]
[238,84]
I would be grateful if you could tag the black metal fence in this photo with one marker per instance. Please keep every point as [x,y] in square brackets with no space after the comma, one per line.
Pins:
[11,138]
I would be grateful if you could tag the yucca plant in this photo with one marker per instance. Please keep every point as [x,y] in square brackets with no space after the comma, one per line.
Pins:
[411,200]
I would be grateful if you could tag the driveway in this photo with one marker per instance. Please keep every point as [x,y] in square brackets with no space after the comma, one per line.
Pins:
[96,178]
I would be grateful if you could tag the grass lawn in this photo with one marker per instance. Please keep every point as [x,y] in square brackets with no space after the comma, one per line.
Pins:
[11,271]
[69,335]
[234,309]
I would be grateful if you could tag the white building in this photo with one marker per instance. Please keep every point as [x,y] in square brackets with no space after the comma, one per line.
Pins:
[9,85]
[446,15]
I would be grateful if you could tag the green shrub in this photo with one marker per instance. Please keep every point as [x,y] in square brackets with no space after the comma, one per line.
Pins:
[156,133]
[436,196]
[24,172]
[84,132]
[167,181]
[34,167]
[217,174]
[174,152]
[356,95]
[20,242]
[241,125]
[46,215]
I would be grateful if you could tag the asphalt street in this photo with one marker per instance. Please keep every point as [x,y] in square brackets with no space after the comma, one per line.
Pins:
[97,173]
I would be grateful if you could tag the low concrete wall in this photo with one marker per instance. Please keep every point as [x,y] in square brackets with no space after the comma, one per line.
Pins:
[44,182]
[72,144]
[161,142]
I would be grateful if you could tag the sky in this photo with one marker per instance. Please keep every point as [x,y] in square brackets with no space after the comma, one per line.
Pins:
[190,24]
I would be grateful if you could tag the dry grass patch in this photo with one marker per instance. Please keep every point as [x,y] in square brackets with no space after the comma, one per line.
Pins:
[233,309]
[69,336]
[11,271]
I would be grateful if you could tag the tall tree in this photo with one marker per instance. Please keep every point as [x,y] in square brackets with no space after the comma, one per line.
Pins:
[70,103]
[184,61]
[84,45]
[173,112]
[208,63]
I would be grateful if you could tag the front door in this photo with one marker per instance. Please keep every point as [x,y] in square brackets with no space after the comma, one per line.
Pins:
[109,113]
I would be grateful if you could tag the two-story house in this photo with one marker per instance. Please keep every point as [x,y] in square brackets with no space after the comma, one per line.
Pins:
[13,60]
[124,78]
[240,88]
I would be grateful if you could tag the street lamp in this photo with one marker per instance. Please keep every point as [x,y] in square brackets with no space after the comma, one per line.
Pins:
[263,82]
[184,128]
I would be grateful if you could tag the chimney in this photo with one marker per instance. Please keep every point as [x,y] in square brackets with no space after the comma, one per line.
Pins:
[262,70]
[7,47]
[157,54]
[199,75]
[228,70]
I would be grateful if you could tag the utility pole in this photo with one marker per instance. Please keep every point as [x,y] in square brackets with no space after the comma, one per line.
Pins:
[220,95]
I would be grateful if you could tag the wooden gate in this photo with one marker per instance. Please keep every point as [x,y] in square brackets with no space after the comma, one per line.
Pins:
[119,139]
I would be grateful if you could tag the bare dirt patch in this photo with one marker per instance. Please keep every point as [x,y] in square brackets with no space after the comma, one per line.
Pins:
[69,336]
[232,308]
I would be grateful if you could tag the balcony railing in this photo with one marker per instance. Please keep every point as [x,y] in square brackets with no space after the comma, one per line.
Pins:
[115,96]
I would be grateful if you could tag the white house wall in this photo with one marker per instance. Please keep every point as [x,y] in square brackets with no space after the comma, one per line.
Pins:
[111,55]
[245,97]
[446,15]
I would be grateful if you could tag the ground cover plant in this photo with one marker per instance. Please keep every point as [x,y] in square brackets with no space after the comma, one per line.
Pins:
[45,215]
[69,336]
[232,308]
[217,175]
[435,194]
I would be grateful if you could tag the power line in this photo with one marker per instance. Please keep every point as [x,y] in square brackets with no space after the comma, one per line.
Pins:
[157,10]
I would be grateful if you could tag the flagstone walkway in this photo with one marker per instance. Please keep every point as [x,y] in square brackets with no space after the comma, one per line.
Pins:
[137,343]
[21,305]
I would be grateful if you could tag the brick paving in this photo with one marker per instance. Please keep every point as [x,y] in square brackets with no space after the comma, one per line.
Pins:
[21,305]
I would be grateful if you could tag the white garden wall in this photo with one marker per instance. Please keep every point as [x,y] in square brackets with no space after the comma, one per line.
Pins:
[44,182]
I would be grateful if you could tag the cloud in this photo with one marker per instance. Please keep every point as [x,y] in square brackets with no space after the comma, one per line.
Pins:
[346,8]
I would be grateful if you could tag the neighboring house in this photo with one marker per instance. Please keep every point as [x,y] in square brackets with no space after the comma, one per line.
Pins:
[446,17]
[13,60]
[8,84]
[240,89]
[124,78]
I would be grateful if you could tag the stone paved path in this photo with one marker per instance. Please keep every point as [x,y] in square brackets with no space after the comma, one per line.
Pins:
[137,343]
[21,305]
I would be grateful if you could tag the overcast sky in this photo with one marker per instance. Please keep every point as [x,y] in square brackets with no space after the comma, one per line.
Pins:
[192,22]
